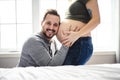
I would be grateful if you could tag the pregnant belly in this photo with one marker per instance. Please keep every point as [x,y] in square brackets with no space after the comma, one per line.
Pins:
[69,25]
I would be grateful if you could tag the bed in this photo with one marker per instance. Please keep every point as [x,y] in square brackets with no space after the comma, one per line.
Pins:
[86,72]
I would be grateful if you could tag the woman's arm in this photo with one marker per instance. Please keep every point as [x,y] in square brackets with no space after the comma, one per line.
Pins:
[92,24]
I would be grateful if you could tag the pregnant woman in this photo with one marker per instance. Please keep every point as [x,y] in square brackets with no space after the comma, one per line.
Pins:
[75,30]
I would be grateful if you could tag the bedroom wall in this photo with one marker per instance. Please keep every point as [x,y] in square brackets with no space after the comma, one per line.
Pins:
[119,34]
[9,60]
[102,58]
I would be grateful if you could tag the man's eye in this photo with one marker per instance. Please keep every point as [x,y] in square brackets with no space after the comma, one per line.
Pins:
[48,23]
[55,25]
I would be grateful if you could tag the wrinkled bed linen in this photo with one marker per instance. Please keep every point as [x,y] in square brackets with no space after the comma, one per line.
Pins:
[86,72]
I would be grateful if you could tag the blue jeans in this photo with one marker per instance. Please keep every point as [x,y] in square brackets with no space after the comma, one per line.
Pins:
[80,52]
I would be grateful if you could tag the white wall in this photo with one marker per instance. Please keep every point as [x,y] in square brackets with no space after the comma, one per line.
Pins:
[102,58]
[9,60]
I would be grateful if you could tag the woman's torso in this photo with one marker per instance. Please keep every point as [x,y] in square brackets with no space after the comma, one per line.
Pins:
[77,15]
[70,25]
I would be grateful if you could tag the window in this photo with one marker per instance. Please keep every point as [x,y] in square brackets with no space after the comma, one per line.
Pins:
[15,23]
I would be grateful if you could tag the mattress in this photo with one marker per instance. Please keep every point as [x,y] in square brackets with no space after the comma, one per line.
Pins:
[85,72]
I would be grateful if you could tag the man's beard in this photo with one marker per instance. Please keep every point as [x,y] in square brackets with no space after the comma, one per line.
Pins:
[49,37]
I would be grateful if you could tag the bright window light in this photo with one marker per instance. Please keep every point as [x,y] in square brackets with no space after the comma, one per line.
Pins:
[15,23]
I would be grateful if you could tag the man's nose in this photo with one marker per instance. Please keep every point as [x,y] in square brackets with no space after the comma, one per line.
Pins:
[51,26]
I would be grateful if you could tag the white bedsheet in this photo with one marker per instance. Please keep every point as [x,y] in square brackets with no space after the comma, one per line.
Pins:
[87,72]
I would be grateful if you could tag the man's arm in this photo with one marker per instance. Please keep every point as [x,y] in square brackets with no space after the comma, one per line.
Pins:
[39,53]
[59,57]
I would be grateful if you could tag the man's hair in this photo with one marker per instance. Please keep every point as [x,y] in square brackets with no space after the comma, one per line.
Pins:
[53,12]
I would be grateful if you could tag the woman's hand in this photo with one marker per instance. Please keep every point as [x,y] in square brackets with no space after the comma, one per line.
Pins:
[70,39]
[70,36]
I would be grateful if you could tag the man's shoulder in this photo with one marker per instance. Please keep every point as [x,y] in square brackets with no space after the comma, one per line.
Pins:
[34,38]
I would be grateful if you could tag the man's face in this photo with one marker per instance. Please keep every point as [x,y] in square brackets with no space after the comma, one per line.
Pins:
[50,25]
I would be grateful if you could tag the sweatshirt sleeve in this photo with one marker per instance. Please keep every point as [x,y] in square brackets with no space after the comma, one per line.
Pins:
[59,57]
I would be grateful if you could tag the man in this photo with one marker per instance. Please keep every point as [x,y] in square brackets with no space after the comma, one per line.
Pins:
[36,50]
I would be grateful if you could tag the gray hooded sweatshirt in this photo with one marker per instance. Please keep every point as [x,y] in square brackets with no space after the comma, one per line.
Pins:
[35,52]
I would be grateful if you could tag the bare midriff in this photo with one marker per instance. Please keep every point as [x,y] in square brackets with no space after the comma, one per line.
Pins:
[70,25]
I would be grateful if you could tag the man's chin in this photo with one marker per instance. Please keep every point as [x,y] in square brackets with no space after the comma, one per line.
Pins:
[50,35]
